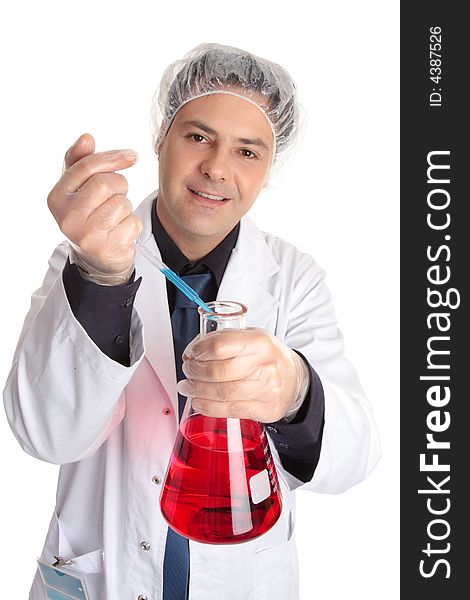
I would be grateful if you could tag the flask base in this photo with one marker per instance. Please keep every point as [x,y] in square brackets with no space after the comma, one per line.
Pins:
[221,485]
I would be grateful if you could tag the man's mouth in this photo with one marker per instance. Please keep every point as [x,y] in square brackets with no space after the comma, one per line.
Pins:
[208,196]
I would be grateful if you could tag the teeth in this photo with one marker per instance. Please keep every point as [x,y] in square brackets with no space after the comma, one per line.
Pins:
[209,196]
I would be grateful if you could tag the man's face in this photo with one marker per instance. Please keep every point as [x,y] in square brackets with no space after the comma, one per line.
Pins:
[218,145]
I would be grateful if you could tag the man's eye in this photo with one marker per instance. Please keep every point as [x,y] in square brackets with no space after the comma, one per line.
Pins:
[197,137]
[248,153]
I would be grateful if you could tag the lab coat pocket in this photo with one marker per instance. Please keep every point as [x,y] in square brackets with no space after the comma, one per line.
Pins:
[275,574]
[88,566]
[275,571]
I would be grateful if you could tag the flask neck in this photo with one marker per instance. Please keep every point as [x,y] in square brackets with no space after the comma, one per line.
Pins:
[224,315]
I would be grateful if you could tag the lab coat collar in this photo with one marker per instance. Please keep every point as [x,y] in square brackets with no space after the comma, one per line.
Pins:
[250,265]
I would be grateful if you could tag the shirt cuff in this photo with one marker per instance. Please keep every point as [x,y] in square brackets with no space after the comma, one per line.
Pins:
[103,311]
[298,442]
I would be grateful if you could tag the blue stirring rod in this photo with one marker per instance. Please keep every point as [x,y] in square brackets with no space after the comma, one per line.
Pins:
[173,277]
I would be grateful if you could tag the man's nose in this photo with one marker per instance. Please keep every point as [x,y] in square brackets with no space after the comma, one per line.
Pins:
[216,165]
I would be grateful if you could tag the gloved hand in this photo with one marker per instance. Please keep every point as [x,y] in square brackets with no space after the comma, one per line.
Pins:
[90,205]
[247,374]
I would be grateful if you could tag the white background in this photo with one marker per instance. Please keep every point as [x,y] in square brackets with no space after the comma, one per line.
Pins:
[71,67]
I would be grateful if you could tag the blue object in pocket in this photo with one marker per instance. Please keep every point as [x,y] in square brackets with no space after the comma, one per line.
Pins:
[61,584]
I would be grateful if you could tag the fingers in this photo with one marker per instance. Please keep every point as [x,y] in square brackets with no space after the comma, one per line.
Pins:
[221,345]
[239,373]
[114,248]
[125,234]
[103,185]
[227,410]
[230,369]
[110,213]
[263,410]
[226,391]
[90,205]
[84,146]
[92,164]
[98,190]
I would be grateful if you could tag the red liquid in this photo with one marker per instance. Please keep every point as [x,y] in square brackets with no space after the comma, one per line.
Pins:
[209,494]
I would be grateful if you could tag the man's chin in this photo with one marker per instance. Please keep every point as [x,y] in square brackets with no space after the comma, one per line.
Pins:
[205,233]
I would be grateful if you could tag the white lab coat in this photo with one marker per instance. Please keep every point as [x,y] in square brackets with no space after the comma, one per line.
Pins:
[106,424]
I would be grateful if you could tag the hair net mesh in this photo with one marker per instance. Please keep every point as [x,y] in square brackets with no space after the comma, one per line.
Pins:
[212,68]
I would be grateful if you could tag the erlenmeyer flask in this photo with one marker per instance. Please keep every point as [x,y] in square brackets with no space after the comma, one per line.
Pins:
[221,484]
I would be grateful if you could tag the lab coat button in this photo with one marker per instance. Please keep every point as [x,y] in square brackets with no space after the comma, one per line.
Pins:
[156,480]
[142,597]
[145,546]
[271,428]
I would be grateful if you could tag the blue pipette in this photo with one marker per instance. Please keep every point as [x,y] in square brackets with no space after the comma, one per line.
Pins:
[172,276]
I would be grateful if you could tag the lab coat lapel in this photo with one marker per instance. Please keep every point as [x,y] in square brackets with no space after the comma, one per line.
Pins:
[250,265]
[152,305]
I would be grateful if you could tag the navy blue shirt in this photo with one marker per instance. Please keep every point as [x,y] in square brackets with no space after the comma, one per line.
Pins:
[105,314]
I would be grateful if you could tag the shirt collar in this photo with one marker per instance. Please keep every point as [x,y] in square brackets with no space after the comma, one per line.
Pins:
[172,256]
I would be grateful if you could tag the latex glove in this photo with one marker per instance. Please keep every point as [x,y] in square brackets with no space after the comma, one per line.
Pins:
[90,205]
[247,374]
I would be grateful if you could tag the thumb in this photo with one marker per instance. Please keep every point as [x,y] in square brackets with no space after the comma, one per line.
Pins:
[84,146]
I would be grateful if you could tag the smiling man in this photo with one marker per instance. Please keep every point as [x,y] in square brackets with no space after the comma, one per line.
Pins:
[213,164]
[109,351]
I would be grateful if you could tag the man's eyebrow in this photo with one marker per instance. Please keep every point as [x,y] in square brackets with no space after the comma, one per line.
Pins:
[210,131]
[199,125]
[254,142]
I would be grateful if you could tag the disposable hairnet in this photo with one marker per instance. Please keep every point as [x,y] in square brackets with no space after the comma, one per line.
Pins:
[212,68]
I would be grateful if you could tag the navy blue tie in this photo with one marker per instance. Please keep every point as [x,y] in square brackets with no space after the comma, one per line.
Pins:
[185,325]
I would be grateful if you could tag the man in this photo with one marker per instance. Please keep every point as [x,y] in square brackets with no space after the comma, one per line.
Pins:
[93,386]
